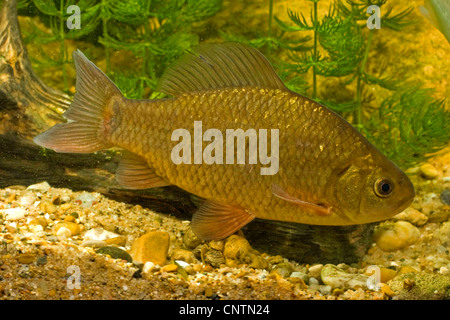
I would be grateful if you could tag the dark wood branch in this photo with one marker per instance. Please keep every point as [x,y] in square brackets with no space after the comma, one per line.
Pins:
[27,105]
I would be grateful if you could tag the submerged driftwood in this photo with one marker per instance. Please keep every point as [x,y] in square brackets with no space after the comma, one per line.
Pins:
[28,106]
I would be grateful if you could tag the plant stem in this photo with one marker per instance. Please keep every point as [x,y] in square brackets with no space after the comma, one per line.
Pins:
[316,24]
[105,35]
[62,48]
[269,32]
[148,57]
[358,83]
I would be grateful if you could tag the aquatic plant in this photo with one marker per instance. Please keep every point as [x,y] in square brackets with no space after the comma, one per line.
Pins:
[154,32]
[55,12]
[409,125]
[405,126]
[306,51]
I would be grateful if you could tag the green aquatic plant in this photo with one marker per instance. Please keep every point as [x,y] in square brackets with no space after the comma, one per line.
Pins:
[153,32]
[270,42]
[409,125]
[160,31]
[356,10]
[340,48]
[55,12]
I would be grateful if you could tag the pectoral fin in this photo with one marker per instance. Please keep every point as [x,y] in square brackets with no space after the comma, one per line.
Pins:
[215,221]
[133,172]
[310,207]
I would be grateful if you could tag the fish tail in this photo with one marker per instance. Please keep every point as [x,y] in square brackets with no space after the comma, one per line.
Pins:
[90,115]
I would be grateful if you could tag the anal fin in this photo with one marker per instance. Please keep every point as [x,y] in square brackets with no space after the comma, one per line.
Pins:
[133,172]
[215,221]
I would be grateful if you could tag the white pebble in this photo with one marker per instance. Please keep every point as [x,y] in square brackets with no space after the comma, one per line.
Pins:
[14,213]
[99,234]
[314,271]
[444,270]
[27,200]
[148,266]
[43,186]
[93,243]
[63,233]
[325,289]
[182,263]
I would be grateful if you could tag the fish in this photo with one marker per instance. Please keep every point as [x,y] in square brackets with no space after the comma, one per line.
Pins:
[438,13]
[328,173]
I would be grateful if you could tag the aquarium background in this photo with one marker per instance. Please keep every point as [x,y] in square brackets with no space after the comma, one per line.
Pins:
[385,81]
[71,234]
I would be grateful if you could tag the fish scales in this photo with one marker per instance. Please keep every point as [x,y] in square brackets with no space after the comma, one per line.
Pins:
[328,173]
[232,108]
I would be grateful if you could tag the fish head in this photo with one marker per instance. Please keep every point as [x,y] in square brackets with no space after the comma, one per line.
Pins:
[372,189]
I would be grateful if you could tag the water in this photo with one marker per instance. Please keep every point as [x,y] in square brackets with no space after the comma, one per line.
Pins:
[390,83]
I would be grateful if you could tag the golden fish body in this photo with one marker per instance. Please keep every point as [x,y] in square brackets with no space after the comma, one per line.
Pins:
[327,174]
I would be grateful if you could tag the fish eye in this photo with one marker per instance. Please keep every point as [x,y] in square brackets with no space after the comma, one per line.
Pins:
[383,187]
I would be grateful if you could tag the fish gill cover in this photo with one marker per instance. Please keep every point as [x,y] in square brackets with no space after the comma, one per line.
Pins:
[333,58]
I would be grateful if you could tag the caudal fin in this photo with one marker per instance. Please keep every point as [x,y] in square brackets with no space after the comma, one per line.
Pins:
[85,117]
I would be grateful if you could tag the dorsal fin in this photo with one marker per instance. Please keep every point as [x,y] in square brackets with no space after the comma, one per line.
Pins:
[213,66]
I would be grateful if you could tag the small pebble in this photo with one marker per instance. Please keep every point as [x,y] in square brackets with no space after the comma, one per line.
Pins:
[236,248]
[429,171]
[216,245]
[190,240]
[94,243]
[444,270]
[214,258]
[65,206]
[338,278]
[152,246]
[314,271]
[394,236]
[86,199]
[284,269]
[26,258]
[387,274]
[148,266]
[258,262]
[13,214]
[74,228]
[387,290]
[115,253]
[39,221]
[42,260]
[412,215]
[184,255]
[170,268]
[43,186]
[63,233]
[99,234]
[47,207]
[445,197]
[27,199]
[118,241]
[300,275]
